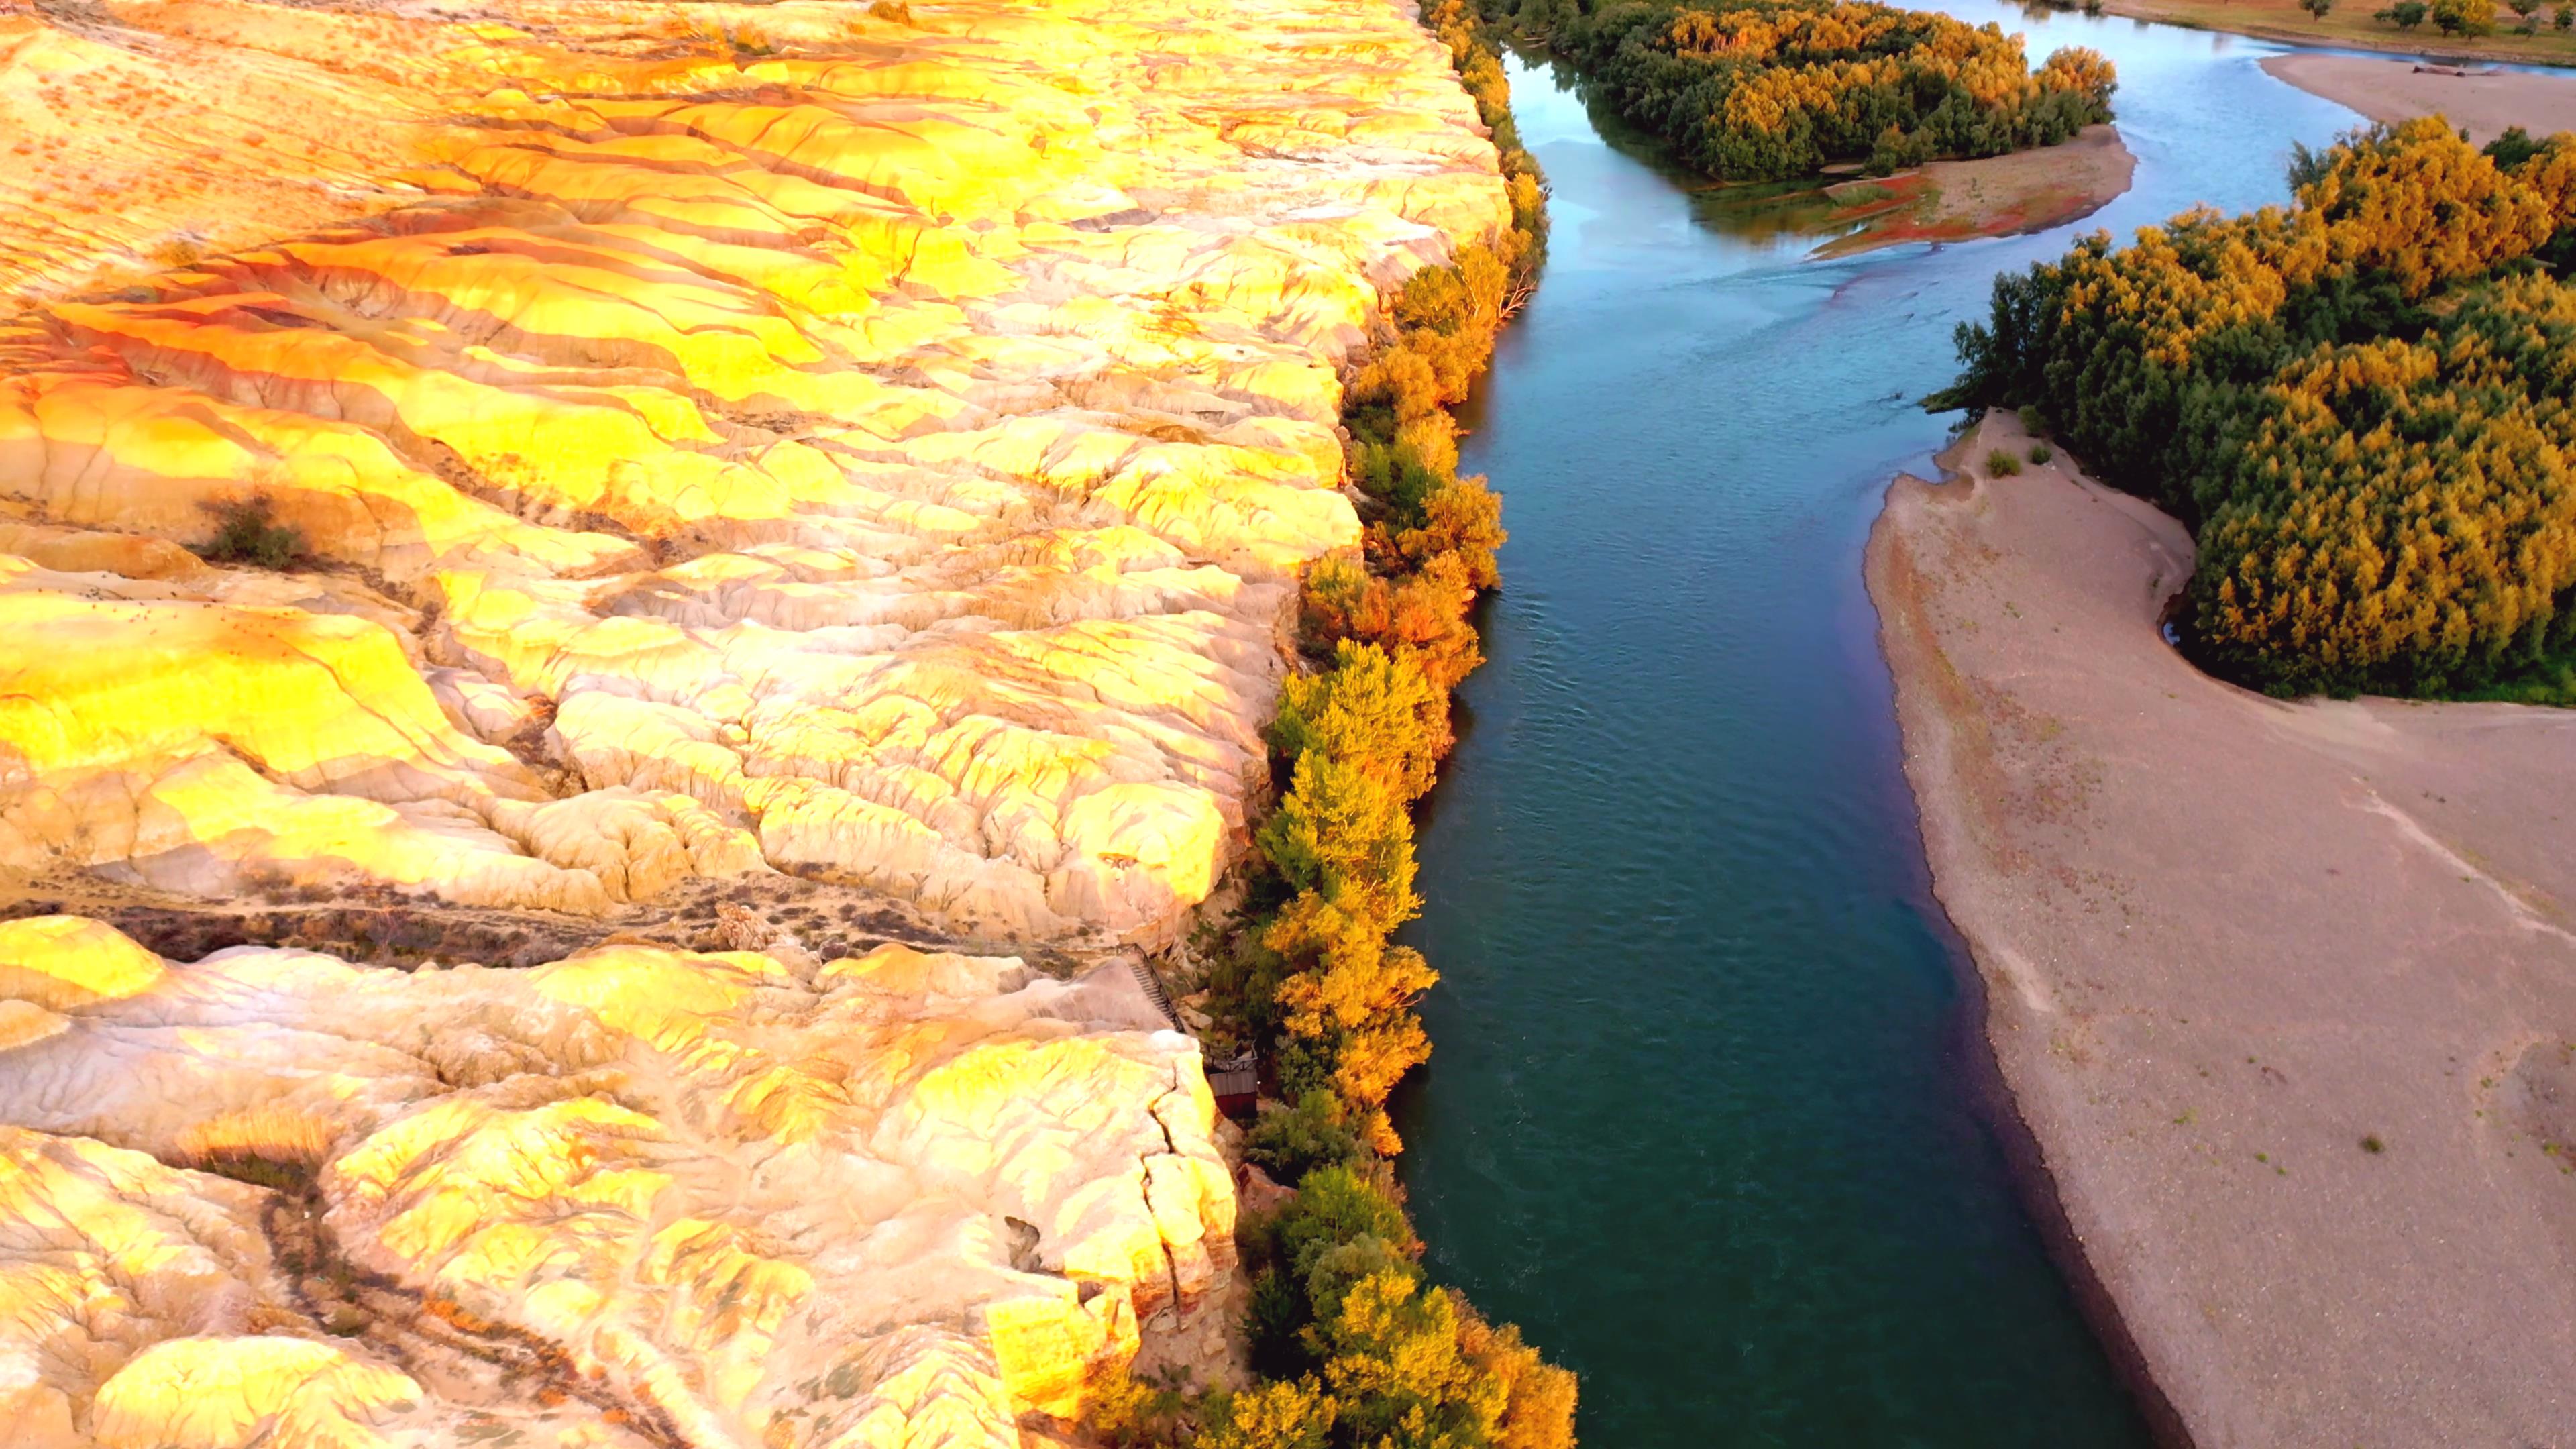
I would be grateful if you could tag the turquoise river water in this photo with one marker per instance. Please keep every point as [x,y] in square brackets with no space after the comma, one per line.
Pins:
[1699,1118]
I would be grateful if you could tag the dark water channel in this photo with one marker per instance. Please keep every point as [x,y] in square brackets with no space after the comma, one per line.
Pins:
[1699,1119]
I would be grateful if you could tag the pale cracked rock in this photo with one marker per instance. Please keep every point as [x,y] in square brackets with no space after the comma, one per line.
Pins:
[896,1199]
[808,440]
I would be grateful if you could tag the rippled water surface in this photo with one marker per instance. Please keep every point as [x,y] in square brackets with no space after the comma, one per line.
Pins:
[1698,1119]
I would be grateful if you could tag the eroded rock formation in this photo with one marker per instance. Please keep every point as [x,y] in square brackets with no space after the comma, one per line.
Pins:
[719,1199]
[537,476]
[869,444]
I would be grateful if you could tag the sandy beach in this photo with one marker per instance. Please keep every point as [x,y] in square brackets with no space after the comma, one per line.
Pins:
[2283,992]
[2358,27]
[2399,90]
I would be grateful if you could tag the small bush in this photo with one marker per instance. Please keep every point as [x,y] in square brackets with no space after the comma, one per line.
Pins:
[2039,453]
[2371,1144]
[1316,1133]
[246,532]
[2033,420]
[2002,464]
[894,10]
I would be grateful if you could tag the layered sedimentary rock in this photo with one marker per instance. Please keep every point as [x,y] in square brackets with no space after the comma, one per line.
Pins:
[873,444]
[716,1199]
[604,460]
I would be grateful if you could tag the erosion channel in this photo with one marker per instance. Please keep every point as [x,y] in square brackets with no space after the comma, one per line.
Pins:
[1701,1118]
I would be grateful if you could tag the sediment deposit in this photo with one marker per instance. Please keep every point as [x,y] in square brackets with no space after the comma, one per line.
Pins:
[2283,991]
[2013,194]
[2483,103]
[591,472]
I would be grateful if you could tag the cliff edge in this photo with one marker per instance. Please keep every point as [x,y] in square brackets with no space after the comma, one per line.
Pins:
[615,518]
[874,444]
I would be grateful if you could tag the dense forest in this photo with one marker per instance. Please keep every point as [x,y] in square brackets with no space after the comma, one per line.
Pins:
[1353,1348]
[2359,403]
[1766,90]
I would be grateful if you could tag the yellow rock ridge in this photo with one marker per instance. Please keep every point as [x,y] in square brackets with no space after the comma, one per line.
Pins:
[725,1199]
[876,444]
[594,458]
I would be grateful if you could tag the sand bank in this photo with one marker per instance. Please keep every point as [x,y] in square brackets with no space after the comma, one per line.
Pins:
[2397,90]
[2008,195]
[2283,992]
[2356,26]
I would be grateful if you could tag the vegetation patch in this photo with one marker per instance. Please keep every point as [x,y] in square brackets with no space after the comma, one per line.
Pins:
[1352,1346]
[247,532]
[2360,404]
[1765,90]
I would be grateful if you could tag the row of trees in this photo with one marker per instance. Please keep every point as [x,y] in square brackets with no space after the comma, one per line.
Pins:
[1761,90]
[2359,403]
[1353,1348]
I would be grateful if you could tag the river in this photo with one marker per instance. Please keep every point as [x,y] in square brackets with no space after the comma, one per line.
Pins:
[1699,1118]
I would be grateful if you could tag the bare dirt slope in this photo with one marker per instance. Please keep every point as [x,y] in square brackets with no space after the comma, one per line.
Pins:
[2285,992]
[2484,105]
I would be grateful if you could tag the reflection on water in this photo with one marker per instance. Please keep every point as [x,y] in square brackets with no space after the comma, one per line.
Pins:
[1696,1119]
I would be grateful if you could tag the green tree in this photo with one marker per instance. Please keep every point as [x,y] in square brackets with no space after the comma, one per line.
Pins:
[1294,1141]
[2317,8]
[2512,148]
[2408,13]
[1771,89]
[2466,18]
[1390,1356]
[2359,403]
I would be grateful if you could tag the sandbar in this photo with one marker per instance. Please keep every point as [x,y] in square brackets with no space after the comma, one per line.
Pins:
[2008,195]
[2284,993]
[2483,103]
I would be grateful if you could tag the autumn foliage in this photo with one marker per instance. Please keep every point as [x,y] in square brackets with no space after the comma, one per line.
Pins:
[1389,628]
[1354,1348]
[1764,90]
[2360,403]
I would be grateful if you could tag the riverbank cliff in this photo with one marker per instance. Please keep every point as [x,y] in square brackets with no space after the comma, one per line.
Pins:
[2281,991]
[620,625]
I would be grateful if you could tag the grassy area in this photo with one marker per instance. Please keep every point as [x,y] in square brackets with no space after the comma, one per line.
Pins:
[2350,23]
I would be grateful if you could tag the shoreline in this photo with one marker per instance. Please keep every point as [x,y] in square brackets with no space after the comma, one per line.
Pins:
[2396,44]
[2212,977]
[2035,1186]
[1990,1095]
[2390,91]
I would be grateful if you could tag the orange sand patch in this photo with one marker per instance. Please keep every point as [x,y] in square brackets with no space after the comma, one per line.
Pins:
[2025,191]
